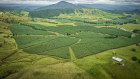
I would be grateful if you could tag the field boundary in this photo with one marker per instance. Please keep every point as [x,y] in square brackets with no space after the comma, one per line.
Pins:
[72,55]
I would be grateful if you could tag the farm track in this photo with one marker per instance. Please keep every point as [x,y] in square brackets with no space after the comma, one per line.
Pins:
[15,51]
[56,33]
[78,41]
[72,55]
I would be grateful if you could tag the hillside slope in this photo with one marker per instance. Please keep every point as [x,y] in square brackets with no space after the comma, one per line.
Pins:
[47,13]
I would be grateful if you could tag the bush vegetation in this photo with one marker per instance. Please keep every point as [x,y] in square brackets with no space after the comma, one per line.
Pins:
[134,50]
[50,13]
[134,58]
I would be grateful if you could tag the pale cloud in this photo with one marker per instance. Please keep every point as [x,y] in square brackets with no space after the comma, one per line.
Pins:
[48,2]
[105,1]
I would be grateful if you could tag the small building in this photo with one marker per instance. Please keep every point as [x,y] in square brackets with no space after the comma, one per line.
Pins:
[117,59]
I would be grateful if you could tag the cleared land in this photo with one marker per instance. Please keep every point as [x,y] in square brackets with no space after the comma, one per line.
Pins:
[93,40]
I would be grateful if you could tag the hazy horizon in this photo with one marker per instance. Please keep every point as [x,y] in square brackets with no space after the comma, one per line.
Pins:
[49,2]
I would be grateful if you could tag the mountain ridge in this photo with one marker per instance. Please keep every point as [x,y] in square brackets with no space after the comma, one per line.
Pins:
[60,5]
[64,5]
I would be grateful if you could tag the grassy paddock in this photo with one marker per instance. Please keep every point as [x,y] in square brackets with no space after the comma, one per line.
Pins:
[101,66]
[129,26]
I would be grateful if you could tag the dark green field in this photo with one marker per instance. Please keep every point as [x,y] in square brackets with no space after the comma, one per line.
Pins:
[93,40]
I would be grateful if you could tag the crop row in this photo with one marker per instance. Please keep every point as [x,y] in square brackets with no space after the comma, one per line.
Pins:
[27,41]
[47,46]
[74,29]
[103,30]
[22,29]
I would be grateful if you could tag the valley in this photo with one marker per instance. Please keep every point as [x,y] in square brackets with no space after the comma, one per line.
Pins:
[69,43]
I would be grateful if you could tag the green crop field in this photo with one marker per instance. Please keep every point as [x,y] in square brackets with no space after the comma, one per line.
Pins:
[93,40]
[25,41]
[21,29]
[50,45]
[93,45]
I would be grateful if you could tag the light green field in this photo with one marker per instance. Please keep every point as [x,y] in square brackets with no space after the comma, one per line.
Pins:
[44,23]
[129,26]
[51,24]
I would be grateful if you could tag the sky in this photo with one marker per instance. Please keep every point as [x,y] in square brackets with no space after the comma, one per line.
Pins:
[49,2]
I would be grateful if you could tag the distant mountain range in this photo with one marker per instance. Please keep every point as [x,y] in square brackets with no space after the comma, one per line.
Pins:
[60,5]
[19,6]
[64,5]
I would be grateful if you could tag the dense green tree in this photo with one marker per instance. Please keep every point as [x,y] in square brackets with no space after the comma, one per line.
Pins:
[134,58]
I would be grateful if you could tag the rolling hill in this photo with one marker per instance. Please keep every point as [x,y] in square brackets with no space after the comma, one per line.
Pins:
[85,12]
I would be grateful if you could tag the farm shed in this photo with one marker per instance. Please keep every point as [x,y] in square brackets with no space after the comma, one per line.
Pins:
[117,59]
